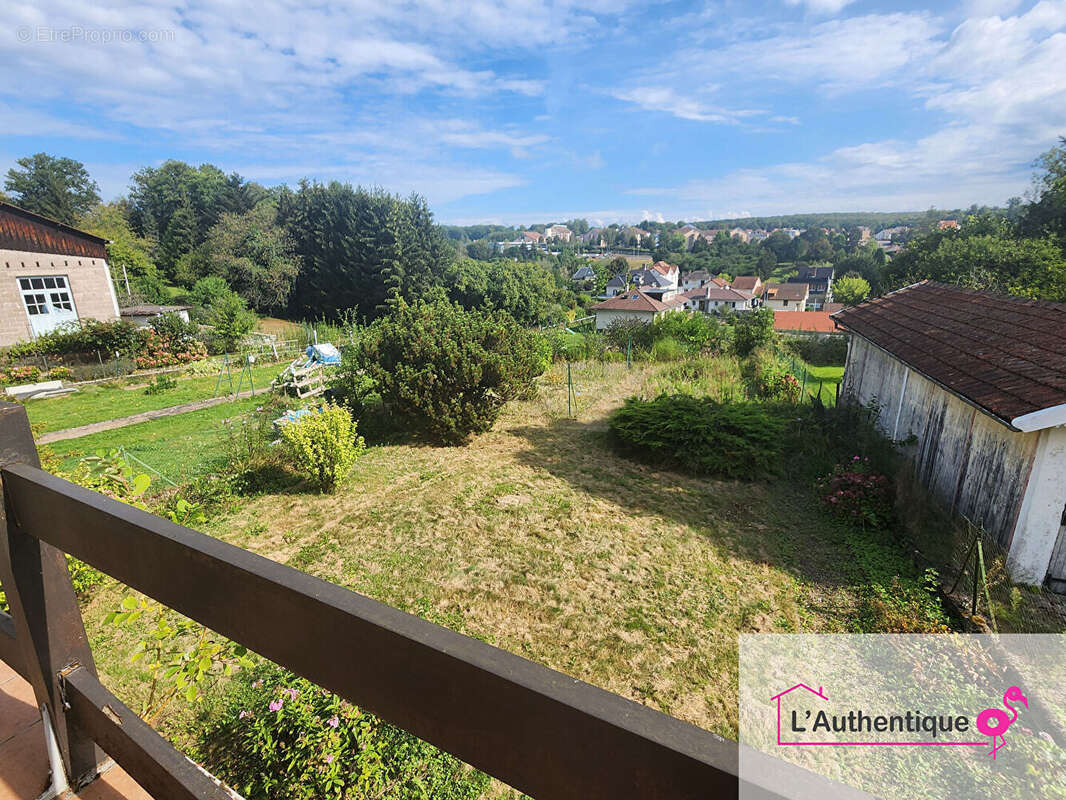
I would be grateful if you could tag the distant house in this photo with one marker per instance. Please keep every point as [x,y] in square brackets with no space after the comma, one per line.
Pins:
[691,233]
[979,381]
[559,233]
[820,282]
[694,279]
[739,233]
[633,304]
[712,299]
[786,296]
[53,275]
[748,283]
[807,322]
[638,235]
[585,274]
[660,284]
[946,224]
[670,271]
[593,238]
[616,284]
[142,315]
[531,236]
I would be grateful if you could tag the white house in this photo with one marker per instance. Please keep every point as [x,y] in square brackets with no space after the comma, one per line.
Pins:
[616,285]
[560,233]
[700,277]
[786,296]
[979,379]
[634,304]
[712,299]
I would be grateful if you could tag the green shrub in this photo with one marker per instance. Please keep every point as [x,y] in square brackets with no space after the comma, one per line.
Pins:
[324,445]
[667,349]
[752,330]
[699,435]
[86,336]
[60,374]
[768,377]
[696,333]
[280,736]
[231,321]
[162,383]
[622,333]
[447,372]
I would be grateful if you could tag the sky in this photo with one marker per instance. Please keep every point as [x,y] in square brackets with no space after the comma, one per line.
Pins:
[522,112]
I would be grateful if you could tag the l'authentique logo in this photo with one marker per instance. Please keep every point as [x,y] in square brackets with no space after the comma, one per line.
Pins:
[860,727]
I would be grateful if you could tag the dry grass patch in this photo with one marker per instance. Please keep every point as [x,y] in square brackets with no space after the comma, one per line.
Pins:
[537,538]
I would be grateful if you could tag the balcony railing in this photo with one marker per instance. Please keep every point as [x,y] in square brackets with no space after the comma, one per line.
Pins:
[542,732]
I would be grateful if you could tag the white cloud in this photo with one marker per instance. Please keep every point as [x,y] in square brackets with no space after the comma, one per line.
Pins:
[822,6]
[999,84]
[684,105]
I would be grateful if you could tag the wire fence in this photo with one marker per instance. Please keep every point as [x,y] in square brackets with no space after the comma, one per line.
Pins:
[971,567]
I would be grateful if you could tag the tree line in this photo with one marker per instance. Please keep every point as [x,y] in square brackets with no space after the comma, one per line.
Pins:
[309,251]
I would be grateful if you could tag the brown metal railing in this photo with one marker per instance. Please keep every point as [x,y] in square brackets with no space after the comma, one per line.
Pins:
[547,734]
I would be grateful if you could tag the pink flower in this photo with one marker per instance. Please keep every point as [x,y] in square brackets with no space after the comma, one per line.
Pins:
[329,759]
[276,705]
[292,693]
[333,721]
[243,714]
[257,684]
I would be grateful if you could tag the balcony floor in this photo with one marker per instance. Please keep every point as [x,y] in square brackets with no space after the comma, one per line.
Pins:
[24,760]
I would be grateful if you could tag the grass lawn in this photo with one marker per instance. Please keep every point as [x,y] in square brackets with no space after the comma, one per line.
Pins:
[819,379]
[538,538]
[122,398]
[282,328]
[181,447]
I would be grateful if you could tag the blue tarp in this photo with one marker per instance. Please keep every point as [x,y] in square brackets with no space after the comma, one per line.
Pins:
[323,354]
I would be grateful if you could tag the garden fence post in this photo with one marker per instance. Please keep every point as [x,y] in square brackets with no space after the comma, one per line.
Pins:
[48,623]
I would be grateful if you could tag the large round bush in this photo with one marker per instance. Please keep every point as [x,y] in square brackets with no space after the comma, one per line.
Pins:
[447,371]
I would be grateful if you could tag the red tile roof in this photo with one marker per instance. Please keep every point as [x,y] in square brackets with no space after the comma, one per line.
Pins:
[812,321]
[787,291]
[748,283]
[663,268]
[1005,355]
[636,301]
[708,292]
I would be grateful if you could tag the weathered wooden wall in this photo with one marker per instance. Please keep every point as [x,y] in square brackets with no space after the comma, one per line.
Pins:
[973,463]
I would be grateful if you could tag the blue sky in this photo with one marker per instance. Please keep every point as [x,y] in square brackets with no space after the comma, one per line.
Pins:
[521,111]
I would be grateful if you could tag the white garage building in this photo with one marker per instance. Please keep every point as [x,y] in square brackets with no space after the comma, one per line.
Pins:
[980,380]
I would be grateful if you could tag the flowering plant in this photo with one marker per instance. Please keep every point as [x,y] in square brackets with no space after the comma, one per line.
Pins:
[283,736]
[854,492]
[20,374]
[165,350]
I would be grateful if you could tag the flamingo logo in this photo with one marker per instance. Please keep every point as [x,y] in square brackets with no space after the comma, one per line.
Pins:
[994,722]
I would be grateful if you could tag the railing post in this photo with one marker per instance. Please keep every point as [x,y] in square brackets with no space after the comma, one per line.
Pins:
[48,624]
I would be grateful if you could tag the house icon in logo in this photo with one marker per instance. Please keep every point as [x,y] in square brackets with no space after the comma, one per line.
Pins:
[778,697]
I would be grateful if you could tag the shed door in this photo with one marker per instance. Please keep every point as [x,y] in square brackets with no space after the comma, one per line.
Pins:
[48,302]
[1056,574]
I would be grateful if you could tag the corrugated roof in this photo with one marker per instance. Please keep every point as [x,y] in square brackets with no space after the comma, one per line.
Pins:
[23,230]
[1005,355]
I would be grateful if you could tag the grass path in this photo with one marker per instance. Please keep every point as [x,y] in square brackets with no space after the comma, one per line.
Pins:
[181,447]
[121,399]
